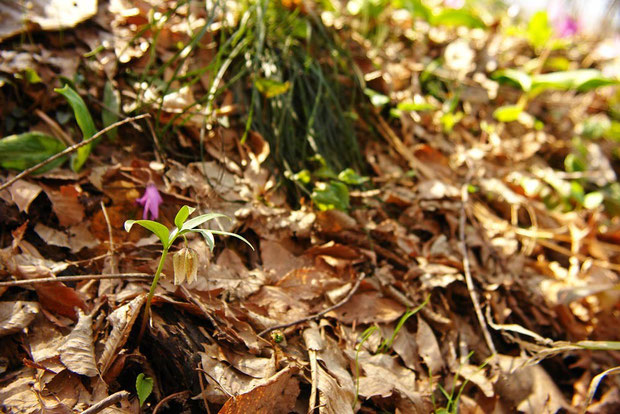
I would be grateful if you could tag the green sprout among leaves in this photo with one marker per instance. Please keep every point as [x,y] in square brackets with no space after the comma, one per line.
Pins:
[186,256]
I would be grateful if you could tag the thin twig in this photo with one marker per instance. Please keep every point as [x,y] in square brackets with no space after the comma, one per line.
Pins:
[468,278]
[323,312]
[75,278]
[183,394]
[106,402]
[69,150]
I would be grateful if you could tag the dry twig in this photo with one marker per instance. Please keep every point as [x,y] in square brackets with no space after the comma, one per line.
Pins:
[106,402]
[69,150]
[74,278]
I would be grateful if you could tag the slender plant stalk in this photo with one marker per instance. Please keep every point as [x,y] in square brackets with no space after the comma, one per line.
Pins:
[149,298]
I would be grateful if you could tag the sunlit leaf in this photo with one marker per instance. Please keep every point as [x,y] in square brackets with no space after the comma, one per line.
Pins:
[18,152]
[226,233]
[348,176]
[197,221]
[182,215]
[538,30]
[593,200]
[416,106]
[156,228]
[270,88]
[508,113]
[377,99]
[514,77]
[332,195]
[458,17]
[581,80]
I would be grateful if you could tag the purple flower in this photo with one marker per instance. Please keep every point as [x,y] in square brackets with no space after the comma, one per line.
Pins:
[150,201]
[566,26]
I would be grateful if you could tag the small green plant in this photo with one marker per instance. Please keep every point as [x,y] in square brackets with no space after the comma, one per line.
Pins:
[453,400]
[186,258]
[386,344]
[144,387]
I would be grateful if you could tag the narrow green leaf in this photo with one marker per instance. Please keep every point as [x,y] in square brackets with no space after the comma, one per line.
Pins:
[348,176]
[144,387]
[182,215]
[197,221]
[18,152]
[156,228]
[226,233]
[508,113]
[515,77]
[458,17]
[111,109]
[84,121]
[208,236]
[581,80]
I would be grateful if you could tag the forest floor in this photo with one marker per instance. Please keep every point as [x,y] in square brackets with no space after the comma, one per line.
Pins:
[429,196]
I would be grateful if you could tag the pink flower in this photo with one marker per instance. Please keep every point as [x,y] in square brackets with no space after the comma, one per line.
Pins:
[566,26]
[150,201]
[454,4]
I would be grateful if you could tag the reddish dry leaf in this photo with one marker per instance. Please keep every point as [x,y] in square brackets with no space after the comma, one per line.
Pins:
[277,395]
[368,307]
[15,316]
[65,204]
[61,299]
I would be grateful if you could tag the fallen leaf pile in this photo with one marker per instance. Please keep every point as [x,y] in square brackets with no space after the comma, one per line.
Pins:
[468,263]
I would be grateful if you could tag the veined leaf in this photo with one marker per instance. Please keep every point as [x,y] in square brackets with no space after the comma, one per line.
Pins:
[197,221]
[19,152]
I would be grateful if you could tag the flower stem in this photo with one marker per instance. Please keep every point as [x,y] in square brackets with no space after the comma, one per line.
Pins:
[149,298]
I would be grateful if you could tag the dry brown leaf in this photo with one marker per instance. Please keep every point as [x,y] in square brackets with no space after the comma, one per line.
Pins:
[368,307]
[529,389]
[277,395]
[428,346]
[333,399]
[22,396]
[65,204]
[24,192]
[61,299]
[43,340]
[15,316]
[77,352]
[121,320]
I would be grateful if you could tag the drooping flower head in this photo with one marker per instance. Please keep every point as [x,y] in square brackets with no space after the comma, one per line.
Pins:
[150,201]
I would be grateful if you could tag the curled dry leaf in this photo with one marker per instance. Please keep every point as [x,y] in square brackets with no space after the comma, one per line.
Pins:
[77,352]
[65,204]
[15,316]
[121,320]
[23,193]
[277,395]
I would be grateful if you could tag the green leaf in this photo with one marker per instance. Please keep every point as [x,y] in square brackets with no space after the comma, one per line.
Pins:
[449,120]
[458,17]
[416,7]
[182,215]
[348,176]
[593,200]
[208,236]
[144,387]
[377,99]
[19,152]
[111,109]
[197,221]
[270,88]
[508,113]
[581,80]
[32,76]
[514,77]
[154,227]
[334,195]
[84,121]
[226,233]
[416,106]
[538,30]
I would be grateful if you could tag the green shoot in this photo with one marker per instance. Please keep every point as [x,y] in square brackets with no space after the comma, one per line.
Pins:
[168,237]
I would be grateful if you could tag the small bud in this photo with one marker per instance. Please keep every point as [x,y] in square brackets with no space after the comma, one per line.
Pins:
[185,263]
[278,337]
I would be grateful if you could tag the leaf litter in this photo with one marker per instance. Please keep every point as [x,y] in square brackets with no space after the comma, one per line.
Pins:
[511,226]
